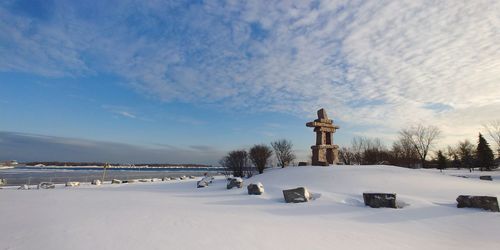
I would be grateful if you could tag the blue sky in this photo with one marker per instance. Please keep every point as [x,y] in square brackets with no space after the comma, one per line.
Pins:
[186,81]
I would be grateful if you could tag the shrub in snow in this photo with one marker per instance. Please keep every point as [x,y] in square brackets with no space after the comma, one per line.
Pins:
[24,187]
[484,202]
[234,182]
[46,185]
[377,200]
[296,195]
[486,177]
[96,182]
[259,155]
[72,183]
[116,181]
[236,163]
[256,188]
[3,182]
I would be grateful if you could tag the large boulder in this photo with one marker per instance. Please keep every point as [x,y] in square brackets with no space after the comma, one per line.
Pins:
[296,195]
[234,182]
[486,177]
[377,200]
[46,185]
[96,182]
[255,188]
[116,181]
[484,202]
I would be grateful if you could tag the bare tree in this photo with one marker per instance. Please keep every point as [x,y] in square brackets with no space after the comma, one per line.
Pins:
[235,162]
[358,144]
[283,151]
[259,155]
[346,155]
[403,153]
[493,129]
[421,138]
[364,150]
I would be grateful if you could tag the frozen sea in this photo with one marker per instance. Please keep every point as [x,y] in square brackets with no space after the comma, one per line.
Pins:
[34,175]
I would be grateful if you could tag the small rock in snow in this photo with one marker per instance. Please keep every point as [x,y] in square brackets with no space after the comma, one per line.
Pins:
[296,195]
[378,200]
[234,182]
[255,188]
[484,202]
[486,177]
[72,183]
[46,185]
[116,181]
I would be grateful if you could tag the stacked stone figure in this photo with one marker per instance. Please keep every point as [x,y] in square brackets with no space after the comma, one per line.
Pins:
[324,152]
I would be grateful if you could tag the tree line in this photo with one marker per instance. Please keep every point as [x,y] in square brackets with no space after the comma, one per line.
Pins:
[243,163]
[414,145]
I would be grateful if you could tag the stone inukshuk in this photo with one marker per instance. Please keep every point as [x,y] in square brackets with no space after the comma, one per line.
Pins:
[324,152]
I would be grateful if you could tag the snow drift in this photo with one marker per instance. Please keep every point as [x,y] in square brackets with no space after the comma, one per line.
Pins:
[177,215]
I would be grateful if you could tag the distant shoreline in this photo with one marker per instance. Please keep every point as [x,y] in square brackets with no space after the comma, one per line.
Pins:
[133,168]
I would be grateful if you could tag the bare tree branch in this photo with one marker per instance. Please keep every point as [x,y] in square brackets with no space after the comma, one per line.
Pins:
[493,129]
[283,151]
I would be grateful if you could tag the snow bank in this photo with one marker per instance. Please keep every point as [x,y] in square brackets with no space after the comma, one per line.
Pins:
[177,215]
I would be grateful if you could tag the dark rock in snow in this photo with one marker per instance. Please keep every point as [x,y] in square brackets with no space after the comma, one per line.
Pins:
[234,182]
[255,188]
[296,195]
[484,202]
[486,177]
[377,200]
[116,181]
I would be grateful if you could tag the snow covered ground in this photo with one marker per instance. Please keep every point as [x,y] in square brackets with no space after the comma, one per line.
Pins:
[177,215]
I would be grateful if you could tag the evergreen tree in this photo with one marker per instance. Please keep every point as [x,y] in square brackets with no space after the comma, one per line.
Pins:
[441,160]
[484,154]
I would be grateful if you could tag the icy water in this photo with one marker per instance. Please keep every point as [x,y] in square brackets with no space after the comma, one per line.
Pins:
[33,176]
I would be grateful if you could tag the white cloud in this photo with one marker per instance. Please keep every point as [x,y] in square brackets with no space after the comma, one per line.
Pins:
[373,63]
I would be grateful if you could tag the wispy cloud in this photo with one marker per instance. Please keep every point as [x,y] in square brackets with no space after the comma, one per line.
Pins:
[386,64]
[120,110]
